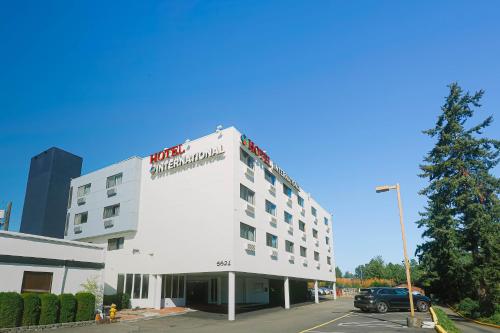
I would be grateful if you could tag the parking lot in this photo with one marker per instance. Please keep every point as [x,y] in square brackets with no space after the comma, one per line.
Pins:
[329,316]
[357,321]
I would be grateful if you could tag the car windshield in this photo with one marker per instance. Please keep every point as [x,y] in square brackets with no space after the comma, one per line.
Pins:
[365,291]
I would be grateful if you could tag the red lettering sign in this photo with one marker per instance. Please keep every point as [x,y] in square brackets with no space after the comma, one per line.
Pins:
[166,153]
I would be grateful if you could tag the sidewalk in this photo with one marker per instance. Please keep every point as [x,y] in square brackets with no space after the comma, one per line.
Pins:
[467,326]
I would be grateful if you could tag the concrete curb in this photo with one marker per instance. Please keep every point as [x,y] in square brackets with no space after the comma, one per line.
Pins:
[472,320]
[47,327]
[437,327]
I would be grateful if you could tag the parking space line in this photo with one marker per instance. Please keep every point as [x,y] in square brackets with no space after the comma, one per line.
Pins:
[328,322]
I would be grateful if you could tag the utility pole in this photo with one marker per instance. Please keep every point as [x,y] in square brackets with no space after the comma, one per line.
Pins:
[412,321]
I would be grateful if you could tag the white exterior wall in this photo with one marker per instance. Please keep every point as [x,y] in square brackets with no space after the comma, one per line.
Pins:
[64,279]
[188,220]
[127,195]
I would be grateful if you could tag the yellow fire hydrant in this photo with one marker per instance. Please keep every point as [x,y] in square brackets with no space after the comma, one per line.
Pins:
[112,312]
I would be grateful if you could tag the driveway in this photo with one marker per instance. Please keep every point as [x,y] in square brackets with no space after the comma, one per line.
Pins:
[328,316]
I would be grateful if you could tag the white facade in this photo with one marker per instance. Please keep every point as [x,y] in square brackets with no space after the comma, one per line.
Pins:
[182,216]
[68,264]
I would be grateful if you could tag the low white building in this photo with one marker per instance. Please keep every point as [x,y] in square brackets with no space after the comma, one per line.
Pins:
[209,221]
[30,263]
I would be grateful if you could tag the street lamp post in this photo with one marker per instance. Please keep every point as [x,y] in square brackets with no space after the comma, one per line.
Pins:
[386,188]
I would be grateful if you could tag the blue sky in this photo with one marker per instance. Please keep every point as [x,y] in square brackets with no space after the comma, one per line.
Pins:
[337,92]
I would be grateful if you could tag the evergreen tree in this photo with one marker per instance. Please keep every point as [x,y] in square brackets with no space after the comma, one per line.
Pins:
[338,272]
[461,220]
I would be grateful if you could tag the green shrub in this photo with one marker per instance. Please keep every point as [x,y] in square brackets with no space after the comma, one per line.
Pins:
[31,309]
[85,306]
[122,301]
[49,309]
[67,310]
[469,308]
[11,309]
[445,322]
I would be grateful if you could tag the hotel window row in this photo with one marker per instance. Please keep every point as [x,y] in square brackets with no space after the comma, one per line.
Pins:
[84,190]
[249,161]
[249,196]
[108,212]
[249,233]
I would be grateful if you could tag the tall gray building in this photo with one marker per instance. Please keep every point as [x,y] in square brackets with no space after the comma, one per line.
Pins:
[46,200]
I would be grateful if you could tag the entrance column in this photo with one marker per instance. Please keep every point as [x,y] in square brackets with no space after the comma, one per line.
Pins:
[286,290]
[316,296]
[219,291]
[231,295]
[156,294]
[334,290]
[185,289]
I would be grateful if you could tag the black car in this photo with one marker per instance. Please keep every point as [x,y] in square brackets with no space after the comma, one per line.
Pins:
[384,299]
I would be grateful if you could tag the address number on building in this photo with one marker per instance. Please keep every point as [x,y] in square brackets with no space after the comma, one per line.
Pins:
[224,263]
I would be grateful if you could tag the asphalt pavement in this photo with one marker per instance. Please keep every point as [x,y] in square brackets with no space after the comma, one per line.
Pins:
[327,317]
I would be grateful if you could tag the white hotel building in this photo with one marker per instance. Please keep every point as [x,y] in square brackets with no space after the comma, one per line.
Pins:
[212,221]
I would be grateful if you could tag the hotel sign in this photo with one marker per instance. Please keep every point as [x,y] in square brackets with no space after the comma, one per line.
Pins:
[174,157]
[255,149]
[286,177]
[265,158]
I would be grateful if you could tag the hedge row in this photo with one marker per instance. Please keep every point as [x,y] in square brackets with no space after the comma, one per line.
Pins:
[122,301]
[43,309]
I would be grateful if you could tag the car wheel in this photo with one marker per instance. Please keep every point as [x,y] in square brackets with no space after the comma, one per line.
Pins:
[365,310]
[422,306]
[382,307]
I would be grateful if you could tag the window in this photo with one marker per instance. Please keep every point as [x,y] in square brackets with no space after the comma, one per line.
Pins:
[145,286]
[83,190]
[137,286]
[327,240]
[70,196]
[288,217]
[247,159]
[268,175]
[247,194]
[387,292]
[270,208]
[172,286]
[313,211]
[289,246]
[300,200]
[115,243]
[111,211]
[315,233]
[36,282]
[166,286]
[128,284]
[287,191]
[302,226]
[316,256]
[328,260]
[303,251]
[401,291]
[114,180]
[175,286]
[326,221]
[271,240]
[247,232]
[120,283]
[81,218]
